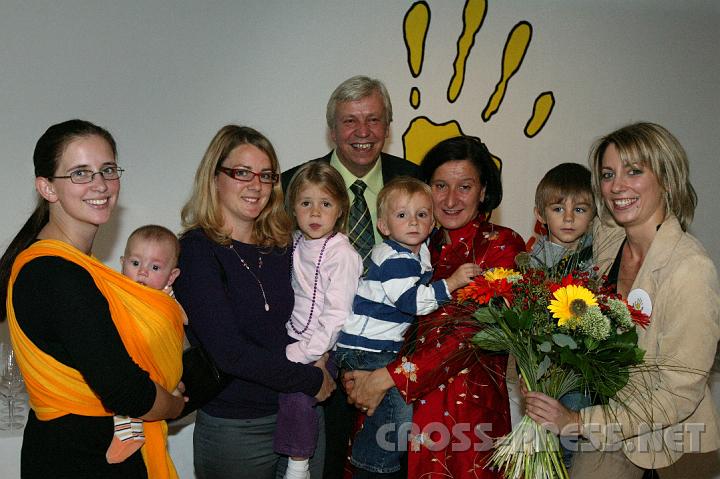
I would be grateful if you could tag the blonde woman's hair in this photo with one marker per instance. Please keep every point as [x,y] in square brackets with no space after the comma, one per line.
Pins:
[271,227]
[652,146]
[323,175]
[405,185]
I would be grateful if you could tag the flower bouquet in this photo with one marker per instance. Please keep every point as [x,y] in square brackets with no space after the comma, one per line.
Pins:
[567,332]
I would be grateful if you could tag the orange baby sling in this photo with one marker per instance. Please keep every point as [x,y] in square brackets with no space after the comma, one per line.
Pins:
[150,325]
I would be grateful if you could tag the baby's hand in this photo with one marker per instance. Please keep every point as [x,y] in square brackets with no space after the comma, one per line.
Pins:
[463,276]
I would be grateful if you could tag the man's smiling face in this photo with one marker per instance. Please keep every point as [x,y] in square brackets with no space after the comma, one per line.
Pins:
[359,132]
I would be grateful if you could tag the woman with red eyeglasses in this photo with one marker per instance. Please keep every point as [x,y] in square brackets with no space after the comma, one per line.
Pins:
[235,287]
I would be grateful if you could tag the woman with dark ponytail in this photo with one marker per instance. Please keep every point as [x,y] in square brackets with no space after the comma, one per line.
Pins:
[89,341]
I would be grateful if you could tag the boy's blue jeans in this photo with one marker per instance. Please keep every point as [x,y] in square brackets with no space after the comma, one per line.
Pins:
[381,445]
[574,400]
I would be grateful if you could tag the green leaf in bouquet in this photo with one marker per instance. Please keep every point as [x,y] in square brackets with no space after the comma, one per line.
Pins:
[525,319]
[569,357]
[639,355]
[610,353]
[631,357]
[543,368]
[518,321]
[490,339]
[614,347]
[564,340]
[485,315]
[512,319]
[545,347]
[609,386]
[618,353]
[628,337]
[591,343]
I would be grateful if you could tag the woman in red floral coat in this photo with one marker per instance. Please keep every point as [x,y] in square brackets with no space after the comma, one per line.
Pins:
[460,400]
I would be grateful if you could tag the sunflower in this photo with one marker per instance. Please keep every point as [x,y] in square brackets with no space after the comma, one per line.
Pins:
[572,301]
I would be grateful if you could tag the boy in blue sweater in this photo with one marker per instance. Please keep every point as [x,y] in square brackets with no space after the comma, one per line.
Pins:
[564,204]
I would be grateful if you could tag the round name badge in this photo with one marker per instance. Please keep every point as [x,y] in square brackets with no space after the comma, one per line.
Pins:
[640,299]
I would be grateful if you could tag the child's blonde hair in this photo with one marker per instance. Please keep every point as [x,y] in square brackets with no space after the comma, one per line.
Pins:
[400,185]
[323,175]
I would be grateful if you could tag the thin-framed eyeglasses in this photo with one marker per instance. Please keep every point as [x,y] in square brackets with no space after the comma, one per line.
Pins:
[81,177]
[243,174]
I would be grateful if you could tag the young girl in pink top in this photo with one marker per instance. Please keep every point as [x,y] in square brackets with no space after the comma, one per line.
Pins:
[326,270]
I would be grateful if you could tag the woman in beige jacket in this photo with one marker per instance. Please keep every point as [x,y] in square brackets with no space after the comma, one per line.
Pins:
[641,181]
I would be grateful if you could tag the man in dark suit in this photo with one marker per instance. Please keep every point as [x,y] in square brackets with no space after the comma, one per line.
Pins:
[358,114]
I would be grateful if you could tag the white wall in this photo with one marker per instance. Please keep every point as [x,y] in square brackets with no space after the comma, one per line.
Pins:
[163,76]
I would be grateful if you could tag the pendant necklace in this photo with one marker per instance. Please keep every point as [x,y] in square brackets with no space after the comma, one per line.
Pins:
[315,286]
[262,290]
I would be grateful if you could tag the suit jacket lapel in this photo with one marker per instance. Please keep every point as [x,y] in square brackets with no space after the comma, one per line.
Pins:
[659,254]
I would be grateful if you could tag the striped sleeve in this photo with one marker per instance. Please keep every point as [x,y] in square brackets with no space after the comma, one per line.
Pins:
[405,286]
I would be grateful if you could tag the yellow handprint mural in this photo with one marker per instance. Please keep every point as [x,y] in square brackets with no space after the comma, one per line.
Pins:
[422,133]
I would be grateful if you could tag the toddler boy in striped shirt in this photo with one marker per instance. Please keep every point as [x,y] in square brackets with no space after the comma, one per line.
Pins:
[395,290]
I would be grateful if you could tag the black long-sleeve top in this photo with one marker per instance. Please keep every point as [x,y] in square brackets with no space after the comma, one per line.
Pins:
[59,308]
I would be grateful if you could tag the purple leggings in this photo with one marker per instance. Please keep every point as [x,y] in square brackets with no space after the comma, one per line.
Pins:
[296,432]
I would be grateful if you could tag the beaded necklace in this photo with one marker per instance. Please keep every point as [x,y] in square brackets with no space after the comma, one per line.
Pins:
[317,277]
[262,290]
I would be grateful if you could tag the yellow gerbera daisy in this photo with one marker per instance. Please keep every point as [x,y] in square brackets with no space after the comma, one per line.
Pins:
[497,274]
[571,302]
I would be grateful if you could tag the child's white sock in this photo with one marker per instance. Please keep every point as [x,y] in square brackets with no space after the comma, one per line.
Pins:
[297,469]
